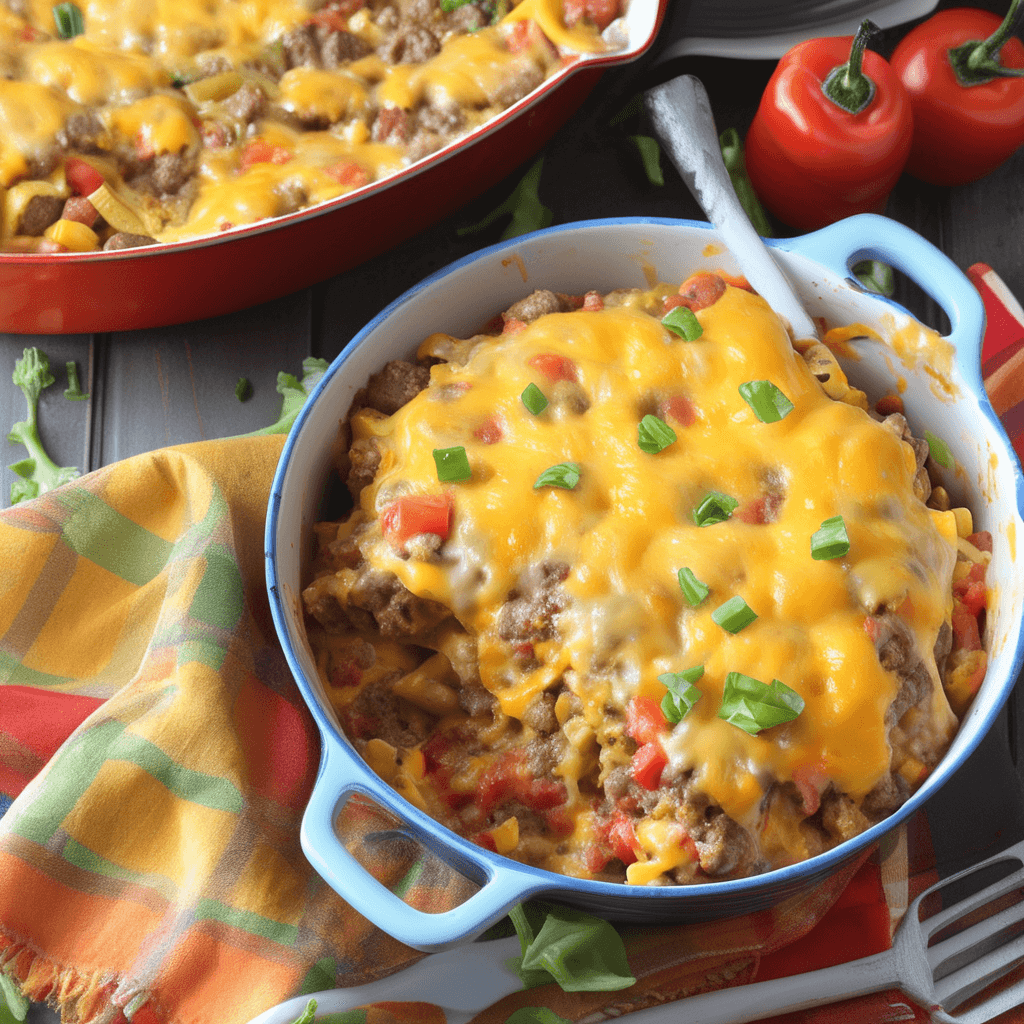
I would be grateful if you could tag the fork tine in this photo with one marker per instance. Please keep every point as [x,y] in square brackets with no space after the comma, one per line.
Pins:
[953,952]
[970,903]
[961,984]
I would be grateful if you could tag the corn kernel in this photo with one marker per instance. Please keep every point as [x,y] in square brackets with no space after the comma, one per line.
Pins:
[73,235]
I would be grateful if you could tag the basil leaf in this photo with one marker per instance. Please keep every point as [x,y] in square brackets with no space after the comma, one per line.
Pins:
[684,322]
[565,475]
[534,399]
[831,540]
[714,507]
[694,590]
[452,464]
[580,952]
[939,450]
[682,694]
[769,404]
[654,435]
[752,705]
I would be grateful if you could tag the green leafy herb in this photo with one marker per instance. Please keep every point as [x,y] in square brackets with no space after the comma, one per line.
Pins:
[294,393]
[939,450]
[527,211]
[243,389]
[308,1015]
[650,157]
[876,277]
[580,952]
[734,615]
[534,400]
[13,1004]
[453,5]
[654,435]
[536,1015]
[694,590]
[39,473]
[682,694]
[752,705]
[69,20]
[565,475]
[715,507]
[769,404]
[831,540]
[735,163]
[452,464]
[73,392]
[683,321]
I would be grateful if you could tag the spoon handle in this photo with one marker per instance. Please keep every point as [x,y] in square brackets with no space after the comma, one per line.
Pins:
[682,120]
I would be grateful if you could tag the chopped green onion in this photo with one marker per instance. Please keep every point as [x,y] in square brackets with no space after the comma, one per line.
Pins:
[694,590]
[831,541]
[69,20]
[534,400]
[769,404]
[683,322]
[939,450]
[452,464]
[752,705]
[650,156]
[452,5]
[715,507]
[682,694]
[565,475]
[654,435]
[734,615]
[243,389]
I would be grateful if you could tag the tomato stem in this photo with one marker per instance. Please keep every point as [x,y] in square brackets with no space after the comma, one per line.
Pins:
[846,85]
[977,61]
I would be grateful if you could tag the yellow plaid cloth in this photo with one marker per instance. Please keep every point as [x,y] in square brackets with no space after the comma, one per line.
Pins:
[155,759]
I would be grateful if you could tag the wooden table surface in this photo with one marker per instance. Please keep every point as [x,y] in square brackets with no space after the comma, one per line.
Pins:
[176,384]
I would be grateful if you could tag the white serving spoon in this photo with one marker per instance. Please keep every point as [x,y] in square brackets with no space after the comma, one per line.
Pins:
[681,115]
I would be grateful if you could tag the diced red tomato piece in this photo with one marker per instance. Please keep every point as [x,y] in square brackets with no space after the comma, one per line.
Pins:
[434,749]
[593,302]
[144,148]
[348,173]
[330,19]
[671,302]
[360,725]
[701,290]
[79,209]
[49,245]
[644,719]
[413,514]
[596,858]
[558,820]
[554,367]
[966,636]
[680,409]
[541,794]
[622,838]
[973,597]
[490,431]
[810,780]
[871,628]
[259,151]
[30,34]
[486,840]
[761,510]
[982,540]
[347,673]
[83,179]
[513,325]
[736,280]
[648,764]
[600,12]
[525,35]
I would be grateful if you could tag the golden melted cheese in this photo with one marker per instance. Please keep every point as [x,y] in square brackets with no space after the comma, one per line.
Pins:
[627,528]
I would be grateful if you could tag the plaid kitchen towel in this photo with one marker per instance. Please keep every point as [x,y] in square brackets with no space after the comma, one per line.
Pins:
[155,758]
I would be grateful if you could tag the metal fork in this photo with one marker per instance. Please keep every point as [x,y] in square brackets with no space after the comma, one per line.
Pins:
[940,975]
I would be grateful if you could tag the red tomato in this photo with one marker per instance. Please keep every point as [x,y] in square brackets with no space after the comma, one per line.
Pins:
[812,161]
[600,12]
[78,208]
[417,513]
[966,122]
[982,541]
[966,636]
[489,431]
[348,173]
[644,719]
[554,367]
[593,302]
[348,673]
[679,408]
[259,151]
[810,780]
[701,290]
[83,179]
[622,838]
[648,764]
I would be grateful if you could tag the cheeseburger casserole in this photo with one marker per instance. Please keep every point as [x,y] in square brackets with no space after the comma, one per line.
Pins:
[633,590]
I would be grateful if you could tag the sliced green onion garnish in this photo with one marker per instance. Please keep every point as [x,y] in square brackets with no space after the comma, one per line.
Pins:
[939,450]
[752,705]
[694,590]
[682,694]
[565,475]
[452,464]
[654,435]
[715,507]
[534,400]
[831,541]
[69,20]
[683,322]
[734,615]
[769,404]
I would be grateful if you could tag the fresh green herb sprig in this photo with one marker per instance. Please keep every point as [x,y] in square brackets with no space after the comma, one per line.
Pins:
[294,392]
[73,392]
[534,399]
[565,475]
[38,473]
[753,706]
[654,435]
[682,694]
[769,403]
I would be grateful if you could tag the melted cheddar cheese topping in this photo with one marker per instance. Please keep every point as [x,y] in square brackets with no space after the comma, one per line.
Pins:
[625,530]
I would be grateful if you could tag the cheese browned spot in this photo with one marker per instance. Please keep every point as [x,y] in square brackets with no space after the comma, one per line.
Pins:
[556,609]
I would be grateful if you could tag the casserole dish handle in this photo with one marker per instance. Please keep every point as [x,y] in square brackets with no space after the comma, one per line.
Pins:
[502,882]
[870,236]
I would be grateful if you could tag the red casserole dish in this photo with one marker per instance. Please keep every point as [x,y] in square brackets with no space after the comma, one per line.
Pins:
[75,293]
